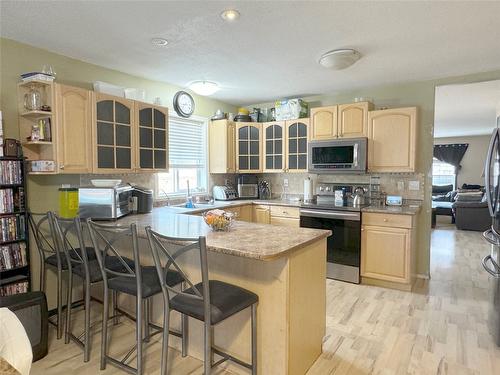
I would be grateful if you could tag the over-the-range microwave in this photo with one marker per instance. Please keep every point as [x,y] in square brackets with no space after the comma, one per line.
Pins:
[338,156]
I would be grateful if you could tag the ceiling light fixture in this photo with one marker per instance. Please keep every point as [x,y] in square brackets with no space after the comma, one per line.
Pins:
[204,88]
[230,15]
[159,42]
[338,59]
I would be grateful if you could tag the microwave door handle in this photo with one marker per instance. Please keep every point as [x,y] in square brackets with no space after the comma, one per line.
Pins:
[355,156]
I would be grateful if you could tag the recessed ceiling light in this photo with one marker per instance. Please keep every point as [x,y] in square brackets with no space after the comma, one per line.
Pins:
[159,41]
[338,59]
[204,88]
[230,15]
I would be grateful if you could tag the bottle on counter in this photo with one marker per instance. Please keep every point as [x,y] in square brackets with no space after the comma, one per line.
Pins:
[68,202]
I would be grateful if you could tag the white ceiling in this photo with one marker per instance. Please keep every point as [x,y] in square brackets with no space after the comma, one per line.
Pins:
[272,51]
[463,110]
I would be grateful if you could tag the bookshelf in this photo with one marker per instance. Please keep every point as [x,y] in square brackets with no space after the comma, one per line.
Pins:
[14,238]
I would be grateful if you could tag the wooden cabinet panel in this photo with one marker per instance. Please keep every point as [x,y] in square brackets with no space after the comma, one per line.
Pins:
[152,137]
[296,138]
[221,146]
[248,147]
[74,129]
[246,213]
[385,253]
[273,146]
[324,123]
[261,214]
[285,221]
[353,120]
[114,134]
[392,137]
[387,220]
[284,211]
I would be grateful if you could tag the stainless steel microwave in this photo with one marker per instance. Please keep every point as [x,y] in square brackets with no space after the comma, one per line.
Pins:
[338,156]
[101,203]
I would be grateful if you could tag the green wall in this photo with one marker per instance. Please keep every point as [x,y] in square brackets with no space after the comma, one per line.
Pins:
[17,58]
[420,94]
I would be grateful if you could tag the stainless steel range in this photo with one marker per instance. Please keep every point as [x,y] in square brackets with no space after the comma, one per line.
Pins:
[333,209]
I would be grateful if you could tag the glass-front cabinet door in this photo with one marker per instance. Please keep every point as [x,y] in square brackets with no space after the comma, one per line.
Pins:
[152,137]
[114,135]
[248,147]
[296,145]
[274,146]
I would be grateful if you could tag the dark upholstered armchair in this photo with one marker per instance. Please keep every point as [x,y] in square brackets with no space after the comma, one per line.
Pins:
[472,215]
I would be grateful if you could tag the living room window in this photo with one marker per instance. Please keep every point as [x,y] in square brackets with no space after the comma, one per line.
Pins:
[187,158]
[443,173]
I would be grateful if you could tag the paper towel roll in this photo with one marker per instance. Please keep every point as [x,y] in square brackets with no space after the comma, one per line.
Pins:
[308,190]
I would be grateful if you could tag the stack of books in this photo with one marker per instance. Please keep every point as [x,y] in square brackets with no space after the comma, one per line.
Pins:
[37,76]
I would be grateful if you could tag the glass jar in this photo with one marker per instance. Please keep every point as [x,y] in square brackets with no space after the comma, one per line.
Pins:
[33,99]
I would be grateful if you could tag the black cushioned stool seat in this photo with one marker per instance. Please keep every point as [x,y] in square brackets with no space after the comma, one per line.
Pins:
[52,260]
[225,300]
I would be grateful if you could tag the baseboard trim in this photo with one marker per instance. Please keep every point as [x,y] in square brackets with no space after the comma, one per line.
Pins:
[423,276]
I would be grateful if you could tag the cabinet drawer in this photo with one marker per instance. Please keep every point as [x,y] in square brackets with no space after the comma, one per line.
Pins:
[285,221]
[387,220]
[282,211]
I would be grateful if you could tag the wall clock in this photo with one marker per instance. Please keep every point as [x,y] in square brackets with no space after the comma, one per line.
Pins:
[183,104]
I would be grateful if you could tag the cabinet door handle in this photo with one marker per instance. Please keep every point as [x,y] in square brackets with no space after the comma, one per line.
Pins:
[386,220]
[61,166]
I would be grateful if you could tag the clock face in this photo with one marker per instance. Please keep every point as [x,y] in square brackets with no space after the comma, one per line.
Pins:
[183,104]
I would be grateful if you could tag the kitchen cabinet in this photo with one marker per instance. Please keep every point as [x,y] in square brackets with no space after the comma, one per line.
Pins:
[246,213]
[324,123]
[114,134]
[297,136]
[74,129]
[261,214]
[273,146]
[286,216]
[353,119]
[392,139]
[221,146]
[248,147]
[388,254]
[152,136]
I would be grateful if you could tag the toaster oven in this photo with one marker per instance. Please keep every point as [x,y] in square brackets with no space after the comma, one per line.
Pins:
[100,203]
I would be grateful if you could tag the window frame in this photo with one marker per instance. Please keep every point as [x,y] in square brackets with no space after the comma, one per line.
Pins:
[434,160]
[204,123]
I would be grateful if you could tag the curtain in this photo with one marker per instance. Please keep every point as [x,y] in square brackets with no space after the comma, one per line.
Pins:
[451,154]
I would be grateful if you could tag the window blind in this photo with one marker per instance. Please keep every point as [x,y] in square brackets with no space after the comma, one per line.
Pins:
[186,143]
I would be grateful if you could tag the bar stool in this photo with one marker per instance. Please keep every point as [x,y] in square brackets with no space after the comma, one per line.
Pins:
[69,241]
[210,301]
[50,257]
[139,281]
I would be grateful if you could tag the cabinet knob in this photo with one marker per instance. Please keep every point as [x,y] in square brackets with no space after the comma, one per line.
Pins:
[61,166]
[386,220]
[362,229]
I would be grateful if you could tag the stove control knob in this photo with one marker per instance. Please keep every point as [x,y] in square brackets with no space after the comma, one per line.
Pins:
[321,188]
[328,188]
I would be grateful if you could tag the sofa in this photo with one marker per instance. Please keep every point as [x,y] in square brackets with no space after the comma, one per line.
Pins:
[472,215]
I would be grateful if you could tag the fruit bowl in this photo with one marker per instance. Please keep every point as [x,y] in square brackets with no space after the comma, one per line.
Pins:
[219,220]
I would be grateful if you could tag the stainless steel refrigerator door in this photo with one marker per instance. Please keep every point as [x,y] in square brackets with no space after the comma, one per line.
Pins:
[492,174]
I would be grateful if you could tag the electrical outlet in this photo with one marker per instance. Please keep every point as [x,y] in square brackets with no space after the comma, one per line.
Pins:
[414,185]
[285,182]
[401,185]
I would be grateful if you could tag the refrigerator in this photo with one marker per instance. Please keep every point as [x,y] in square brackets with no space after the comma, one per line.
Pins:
[491,262]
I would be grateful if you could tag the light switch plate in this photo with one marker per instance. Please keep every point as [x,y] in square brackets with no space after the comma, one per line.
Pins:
[285,182]
[401,185]
[414,185]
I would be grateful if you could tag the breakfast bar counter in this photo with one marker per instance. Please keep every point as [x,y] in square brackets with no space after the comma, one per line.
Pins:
[284,266]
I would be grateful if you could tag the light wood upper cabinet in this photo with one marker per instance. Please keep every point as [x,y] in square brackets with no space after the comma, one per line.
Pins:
[273,146]
[248,147]
[74,129]
[353,120]
[114,134]
[296,138]
[324,123]
[392,139]
[152,137]
[261,214]
[221,146]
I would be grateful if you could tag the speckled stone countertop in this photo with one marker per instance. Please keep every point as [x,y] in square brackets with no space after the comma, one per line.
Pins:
[249,240]
[399,210]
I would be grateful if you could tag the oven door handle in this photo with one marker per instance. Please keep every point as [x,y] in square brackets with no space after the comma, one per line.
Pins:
[354,216]
[491,237]
[493,273]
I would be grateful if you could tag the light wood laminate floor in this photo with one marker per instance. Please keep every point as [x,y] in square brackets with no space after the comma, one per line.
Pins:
[439,328]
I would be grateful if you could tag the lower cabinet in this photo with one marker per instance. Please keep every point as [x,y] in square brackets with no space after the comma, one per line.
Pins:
[261,214]
[387,250]
[285,221]
[285,216]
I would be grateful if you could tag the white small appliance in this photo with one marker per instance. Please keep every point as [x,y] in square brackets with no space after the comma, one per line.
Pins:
[394,200]
[224,193]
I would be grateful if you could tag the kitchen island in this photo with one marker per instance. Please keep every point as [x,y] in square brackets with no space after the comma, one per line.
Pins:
[284,266]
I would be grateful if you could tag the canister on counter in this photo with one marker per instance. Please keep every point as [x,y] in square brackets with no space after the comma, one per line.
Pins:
[68,202]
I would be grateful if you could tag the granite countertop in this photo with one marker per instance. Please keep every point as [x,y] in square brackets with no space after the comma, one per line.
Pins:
[249,240]
[399,210]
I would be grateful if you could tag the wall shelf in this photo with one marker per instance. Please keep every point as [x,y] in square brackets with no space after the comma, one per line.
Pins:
[36,114]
